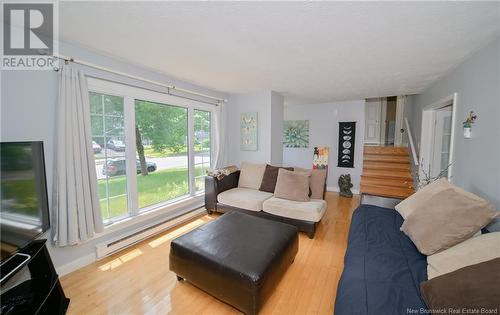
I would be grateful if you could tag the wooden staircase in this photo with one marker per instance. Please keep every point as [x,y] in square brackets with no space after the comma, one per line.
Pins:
[387,172]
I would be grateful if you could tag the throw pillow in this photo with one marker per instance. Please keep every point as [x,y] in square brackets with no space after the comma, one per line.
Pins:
[317,181]
[251,175]
[407,206]
[292,186]
[472,288]
[472,251]
[445,219]
[270,177]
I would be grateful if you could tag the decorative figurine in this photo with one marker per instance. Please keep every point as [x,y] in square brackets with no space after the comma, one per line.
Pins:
[345,185]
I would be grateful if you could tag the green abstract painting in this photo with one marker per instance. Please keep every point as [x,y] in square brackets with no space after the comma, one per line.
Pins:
[296,133]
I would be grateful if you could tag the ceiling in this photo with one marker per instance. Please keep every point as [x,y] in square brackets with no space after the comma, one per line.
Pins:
[311,52]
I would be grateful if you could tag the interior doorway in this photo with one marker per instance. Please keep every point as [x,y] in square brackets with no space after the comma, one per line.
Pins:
[384,120]
[437,140]
[388,121]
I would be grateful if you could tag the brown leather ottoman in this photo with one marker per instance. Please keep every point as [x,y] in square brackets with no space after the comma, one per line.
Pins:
[237,258]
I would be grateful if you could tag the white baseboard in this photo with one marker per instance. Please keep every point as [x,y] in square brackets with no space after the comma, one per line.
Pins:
[336,189]
[76,264]
[123,241]
[92,257]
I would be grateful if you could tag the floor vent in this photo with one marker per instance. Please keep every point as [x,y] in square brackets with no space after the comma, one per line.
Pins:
[114,245]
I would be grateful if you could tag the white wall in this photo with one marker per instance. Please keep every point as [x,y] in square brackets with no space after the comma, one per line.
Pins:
[277,114]
[28,100]
[476,165]
[269,106]
[323,131]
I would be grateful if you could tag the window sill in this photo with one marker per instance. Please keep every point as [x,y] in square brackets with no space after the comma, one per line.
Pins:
[189,203]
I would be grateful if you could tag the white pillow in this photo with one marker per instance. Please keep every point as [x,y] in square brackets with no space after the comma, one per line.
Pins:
[470,252]
[251,175]
[407,206]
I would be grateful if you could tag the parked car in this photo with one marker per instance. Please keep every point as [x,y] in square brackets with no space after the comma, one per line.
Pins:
[116,145]
[116,167]
[97,148]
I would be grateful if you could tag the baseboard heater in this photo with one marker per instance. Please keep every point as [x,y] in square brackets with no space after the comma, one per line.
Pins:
[111,246]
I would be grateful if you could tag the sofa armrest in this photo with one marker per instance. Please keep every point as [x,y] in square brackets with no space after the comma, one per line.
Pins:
[214,186]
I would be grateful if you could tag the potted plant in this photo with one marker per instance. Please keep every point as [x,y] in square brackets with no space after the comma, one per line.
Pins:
[468,123]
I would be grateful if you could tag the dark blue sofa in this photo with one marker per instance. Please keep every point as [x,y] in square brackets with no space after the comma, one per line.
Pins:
[382,267]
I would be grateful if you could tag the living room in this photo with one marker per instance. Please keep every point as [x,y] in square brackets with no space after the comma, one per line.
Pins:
[250,149]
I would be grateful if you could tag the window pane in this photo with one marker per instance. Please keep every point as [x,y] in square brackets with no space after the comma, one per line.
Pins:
[202,145]
[113,105]
[161,144]
[114,125]
[97,125]
[95,103]
[109,153]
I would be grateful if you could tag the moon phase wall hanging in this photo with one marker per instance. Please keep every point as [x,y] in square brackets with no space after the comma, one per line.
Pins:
[347,134]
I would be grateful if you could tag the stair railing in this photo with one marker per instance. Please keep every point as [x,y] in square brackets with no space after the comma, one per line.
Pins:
[412,144]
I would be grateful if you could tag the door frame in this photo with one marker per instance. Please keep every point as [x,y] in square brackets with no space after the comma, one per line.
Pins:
[398,125]
[383,122]
[428,131]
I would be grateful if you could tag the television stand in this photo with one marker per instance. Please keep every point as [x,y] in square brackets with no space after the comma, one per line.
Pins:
[43,293]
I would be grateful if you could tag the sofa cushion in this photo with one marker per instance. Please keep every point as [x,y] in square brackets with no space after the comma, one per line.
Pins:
[415,201]
[244,198]
[270,177]
[251,175]
[316,182]
[471,290]
[445,219]
[472,251]
[312,210]
[318,179]
[292,186]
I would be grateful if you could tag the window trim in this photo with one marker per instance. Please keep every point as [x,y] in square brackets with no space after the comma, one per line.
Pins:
[130,94]
[212,135]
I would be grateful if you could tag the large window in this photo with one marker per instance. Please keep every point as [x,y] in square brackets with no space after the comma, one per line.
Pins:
[150,149]
[162,151]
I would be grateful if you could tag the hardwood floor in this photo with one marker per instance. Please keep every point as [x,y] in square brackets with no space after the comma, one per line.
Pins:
[137,280]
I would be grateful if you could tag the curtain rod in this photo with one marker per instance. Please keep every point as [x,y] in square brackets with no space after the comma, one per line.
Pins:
[169,87]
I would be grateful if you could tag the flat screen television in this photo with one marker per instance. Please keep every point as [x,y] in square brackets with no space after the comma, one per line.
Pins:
[24,210]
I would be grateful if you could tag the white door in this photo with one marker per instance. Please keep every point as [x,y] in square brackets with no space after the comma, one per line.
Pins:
[372,121]
[442,139]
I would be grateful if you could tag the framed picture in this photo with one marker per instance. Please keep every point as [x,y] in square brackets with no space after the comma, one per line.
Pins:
[347,135]
[320,158]
[248,131]
[296,133]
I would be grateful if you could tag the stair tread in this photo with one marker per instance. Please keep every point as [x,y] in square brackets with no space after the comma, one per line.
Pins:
[386,150]
[387,158]
[386,191]
[387,174]
[392,182]
[377,165]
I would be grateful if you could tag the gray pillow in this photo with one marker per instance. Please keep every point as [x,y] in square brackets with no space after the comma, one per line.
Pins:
[292,186]
[445,219]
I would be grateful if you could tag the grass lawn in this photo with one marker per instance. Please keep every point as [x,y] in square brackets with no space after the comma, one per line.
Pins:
[151,153]
[156,187]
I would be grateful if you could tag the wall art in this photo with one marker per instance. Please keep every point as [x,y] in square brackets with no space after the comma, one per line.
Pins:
[347,135]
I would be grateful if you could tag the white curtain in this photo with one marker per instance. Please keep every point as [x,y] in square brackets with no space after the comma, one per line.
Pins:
[220,136]
[76,213]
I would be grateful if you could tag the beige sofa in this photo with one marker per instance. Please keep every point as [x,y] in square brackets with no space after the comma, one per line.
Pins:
[240,191]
